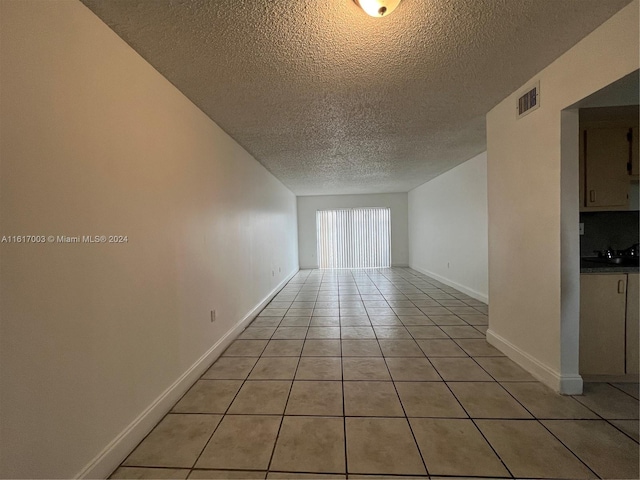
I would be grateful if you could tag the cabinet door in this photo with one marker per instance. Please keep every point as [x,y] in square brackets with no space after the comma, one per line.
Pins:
[635,152]
[633,330]
[607,179]
[602,324]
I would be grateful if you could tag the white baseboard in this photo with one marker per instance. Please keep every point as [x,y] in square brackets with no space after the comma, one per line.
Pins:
[466,290]
[117,450]
[564,384]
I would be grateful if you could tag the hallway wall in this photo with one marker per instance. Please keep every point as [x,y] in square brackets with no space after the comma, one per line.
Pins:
[448,228]
[99,339]
[533,205]
[307,207]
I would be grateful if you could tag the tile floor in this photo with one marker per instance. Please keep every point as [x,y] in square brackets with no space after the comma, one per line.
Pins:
[365,374]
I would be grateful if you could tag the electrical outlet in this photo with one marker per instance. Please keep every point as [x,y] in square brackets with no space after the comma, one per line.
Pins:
[273,273]
[581,228]
[448,265]
[279,270]
[213,316]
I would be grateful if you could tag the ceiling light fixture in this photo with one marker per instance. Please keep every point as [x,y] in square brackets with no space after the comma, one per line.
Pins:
[377,8]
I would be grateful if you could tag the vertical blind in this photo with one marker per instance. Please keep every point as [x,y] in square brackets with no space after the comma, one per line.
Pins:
[354,238]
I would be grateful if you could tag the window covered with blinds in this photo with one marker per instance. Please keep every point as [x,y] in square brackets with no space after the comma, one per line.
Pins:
[354,238]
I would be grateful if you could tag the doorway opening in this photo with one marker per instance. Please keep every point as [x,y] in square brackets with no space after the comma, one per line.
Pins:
[354,238]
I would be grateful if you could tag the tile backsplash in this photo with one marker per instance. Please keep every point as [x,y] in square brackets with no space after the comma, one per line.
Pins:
[618,230]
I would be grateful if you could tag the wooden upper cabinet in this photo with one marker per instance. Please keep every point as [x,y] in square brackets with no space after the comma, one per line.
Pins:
[606,153]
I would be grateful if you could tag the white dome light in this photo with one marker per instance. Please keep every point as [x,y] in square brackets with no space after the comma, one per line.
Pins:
[378,8]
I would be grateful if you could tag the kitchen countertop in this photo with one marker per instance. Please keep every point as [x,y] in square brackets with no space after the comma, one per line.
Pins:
[597,266]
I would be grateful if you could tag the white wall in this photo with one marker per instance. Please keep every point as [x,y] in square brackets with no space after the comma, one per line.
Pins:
[448,228]
[307,207]
[533,205]
[95,142]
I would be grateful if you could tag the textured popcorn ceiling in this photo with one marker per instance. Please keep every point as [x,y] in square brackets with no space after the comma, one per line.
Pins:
[331,100]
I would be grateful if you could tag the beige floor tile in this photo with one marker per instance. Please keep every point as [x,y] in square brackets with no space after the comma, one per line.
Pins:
[283,348]
[482,329]
[543,402]
[400,348]
[326,312]
[273,312]
[381,311]
[608,402]
[310,444]
[361,348]
[372,399]
[355,321]
[630,388]
[357,333]
[447,320]
[321,348]
[266,322]
[305,476]
[277,304]
[392,477]
[175,442]
[392,332]
[504,369]
[441,348]
[412,369]
[476,319]
[382,446]
[478,347]
[226,475]
[487,400]
[429,399]
[455,447]
[246,348]
[382,320]
[300,312]
[230,368]
[415,320]
[630,427]
[323,332]
[295,322]
[429,311]
[463,310]
[241,442]
[529,450]
[315,398]
[604,449]
[319,368]
[455,331]
[208,396]
[257,333]
[325,321]
[365,368]
[427,332]
[149,473]
[290,333]
[274,368]
[265,397]
[460,370]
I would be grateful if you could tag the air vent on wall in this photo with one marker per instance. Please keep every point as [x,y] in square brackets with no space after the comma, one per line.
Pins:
[529,101]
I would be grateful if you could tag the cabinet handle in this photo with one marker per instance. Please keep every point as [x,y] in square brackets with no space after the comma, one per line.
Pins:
[592,195]
[621,286]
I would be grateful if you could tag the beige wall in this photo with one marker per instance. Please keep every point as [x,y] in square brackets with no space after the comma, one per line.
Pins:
[307,207]
[98,341]
[448,228]
[533,205]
